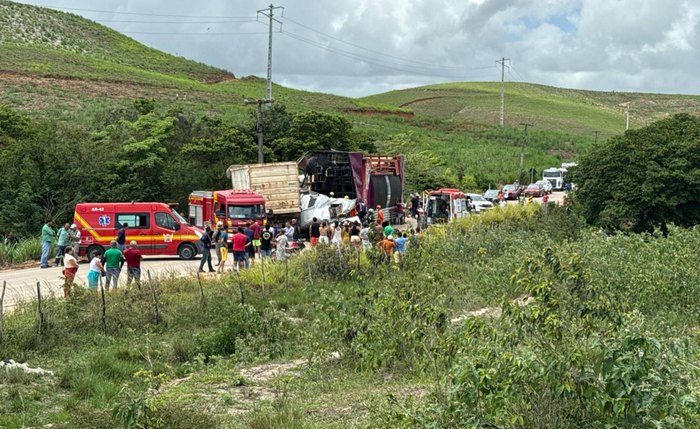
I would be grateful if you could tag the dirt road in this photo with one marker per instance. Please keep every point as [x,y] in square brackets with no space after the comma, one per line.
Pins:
[21,282]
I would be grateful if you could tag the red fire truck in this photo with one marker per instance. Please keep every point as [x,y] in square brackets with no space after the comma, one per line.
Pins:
[158,229]
[233,208]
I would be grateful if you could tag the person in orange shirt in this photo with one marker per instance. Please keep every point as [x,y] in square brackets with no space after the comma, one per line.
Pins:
[380,214]
[388,246]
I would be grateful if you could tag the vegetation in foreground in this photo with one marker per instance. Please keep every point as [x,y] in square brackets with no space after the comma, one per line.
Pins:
[602,335]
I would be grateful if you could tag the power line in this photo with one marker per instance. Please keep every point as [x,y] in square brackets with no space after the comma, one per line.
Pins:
[429,65]
[369,60]
[145,14]
[173,22]
[159,33]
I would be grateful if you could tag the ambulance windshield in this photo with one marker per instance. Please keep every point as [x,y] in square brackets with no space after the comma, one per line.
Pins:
[179,218]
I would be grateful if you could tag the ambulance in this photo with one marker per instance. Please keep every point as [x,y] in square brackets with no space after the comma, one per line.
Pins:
[156,227]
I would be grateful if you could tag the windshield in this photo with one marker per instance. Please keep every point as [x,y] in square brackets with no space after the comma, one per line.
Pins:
[179,218]
[246,212]
[552,174]
[509,188]
[476,197]
[542,182]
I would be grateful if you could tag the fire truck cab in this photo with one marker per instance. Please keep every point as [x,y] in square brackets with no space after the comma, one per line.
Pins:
[156,227]
[446,204]
[233,208]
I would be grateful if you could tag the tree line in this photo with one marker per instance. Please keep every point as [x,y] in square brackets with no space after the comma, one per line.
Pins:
[140,153]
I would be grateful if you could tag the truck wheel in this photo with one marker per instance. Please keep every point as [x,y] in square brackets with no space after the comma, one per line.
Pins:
[187,252]
[93,251]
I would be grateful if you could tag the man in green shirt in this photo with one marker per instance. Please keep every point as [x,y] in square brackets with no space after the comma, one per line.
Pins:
[47,234]
[62,243]
[112,260]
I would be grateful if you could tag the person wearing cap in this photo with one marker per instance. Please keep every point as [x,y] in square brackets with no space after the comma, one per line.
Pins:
[133,258]
[380,215]
[62,242]
[388,247]
[74,237]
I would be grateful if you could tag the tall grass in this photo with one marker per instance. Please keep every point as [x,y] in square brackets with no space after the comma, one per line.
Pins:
[25,250]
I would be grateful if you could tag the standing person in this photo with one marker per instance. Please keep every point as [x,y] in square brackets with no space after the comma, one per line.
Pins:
[345,234]
[361,210]
[74,235]
[414,205]
[388,230]
[387,245]
[113,259]
[133,258]
[289,232]
[121,237]
[223,252]
[240,242]
[257,230]
[281,246]
[249,249]
[47,235]
[400,243]
[545,198]
[355,235]
[336,238]
[380,214]
[206,251]
[70,265]
[364,236]
[266,243]
[94,272]
[422,220]
[218,241]
[324,233]
[61,244]
[314,232]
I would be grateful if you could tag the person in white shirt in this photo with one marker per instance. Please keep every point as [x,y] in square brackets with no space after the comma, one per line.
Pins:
[281,241]
[70,265]
[94,272]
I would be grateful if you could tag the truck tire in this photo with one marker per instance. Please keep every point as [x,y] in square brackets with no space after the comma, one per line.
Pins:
[94,250]
[187,251]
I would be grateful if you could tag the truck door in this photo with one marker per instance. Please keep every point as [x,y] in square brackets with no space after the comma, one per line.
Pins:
[166,233]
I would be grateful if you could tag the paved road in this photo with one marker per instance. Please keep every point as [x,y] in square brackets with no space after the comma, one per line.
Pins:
[21,282]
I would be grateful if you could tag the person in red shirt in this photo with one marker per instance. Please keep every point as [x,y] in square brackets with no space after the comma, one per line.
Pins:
[240,243]
[133,258]
[257,230]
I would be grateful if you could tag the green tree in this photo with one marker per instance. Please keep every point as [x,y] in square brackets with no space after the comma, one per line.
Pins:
[644,178]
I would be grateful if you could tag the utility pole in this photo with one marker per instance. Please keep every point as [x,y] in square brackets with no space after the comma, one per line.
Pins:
[522,147]
[259,126]
[627,117]
[502,62]
[269,13]
[595,139]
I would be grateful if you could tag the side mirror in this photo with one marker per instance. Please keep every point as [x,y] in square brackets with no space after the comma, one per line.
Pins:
[269,212]
[177,227]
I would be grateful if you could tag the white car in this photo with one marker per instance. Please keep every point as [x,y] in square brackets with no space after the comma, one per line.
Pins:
[480,203]
[546,185]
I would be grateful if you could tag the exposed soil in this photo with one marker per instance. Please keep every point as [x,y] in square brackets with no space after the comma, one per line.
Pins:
[369,112]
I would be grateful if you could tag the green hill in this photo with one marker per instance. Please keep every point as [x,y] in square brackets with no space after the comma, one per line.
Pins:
[64,67]
[549,108]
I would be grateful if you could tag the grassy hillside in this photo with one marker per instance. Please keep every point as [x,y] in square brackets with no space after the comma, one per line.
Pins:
[549,108]
[61,66]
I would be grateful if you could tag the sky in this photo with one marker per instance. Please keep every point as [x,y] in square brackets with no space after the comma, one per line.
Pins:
[362,47]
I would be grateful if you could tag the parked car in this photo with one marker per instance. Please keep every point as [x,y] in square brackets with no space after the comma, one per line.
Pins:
[491,195]
[511,192]
[534,190]
[546,185]
[479,203]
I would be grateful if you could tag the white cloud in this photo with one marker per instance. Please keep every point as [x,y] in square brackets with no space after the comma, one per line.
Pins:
[645,45]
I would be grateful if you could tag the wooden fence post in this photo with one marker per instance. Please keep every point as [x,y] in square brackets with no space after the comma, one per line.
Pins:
[2,302]
[156,314]
[240,288]
[308,265]
[201,289]
[262,270]
[40,313]
[103,309]
[286,271]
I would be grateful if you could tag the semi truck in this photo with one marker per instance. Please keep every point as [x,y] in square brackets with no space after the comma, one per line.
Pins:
[291,189]
[555,176]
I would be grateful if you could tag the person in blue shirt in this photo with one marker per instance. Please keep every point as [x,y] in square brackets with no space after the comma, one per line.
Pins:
[400,242]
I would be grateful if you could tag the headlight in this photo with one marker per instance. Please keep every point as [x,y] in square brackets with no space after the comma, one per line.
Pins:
[199,234]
